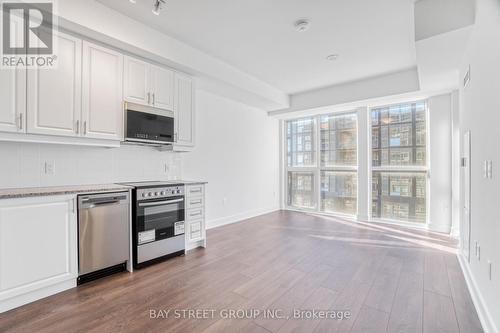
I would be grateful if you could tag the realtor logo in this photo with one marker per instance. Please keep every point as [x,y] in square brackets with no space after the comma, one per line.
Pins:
[27,34]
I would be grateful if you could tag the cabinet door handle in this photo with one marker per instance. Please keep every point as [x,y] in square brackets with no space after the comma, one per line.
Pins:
[153,98]
[77,129]
[84,127]
[20,121]
[149,98]
[175,137]
[196,214]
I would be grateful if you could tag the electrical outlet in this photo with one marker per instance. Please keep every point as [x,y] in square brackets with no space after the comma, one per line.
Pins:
[489,269]
[224,201]
[50,168]
[479,253]
[166,168]
[490,169]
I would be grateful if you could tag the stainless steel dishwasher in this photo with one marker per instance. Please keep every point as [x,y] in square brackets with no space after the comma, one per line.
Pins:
[103,234]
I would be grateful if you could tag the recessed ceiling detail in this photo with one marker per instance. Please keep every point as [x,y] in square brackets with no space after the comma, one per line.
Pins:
[259,36]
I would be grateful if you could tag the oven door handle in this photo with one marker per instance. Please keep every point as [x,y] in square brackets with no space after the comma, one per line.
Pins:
[157,203]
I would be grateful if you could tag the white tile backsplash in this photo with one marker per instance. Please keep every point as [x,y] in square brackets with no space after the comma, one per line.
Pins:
[23,164]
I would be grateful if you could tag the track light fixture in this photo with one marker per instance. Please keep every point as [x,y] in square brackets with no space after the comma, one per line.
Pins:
[158,6]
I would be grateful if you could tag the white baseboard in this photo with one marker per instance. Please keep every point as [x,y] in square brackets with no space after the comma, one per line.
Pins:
[239,217]
[23,299]
[477,298]
[442,228]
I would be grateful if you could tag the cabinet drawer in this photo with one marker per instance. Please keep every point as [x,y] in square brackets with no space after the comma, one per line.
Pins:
[195,226]
[194,190]
[195,213]
[195,230]
[196,202]
[195,235]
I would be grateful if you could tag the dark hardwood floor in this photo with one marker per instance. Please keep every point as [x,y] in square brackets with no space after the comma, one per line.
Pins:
[390,279]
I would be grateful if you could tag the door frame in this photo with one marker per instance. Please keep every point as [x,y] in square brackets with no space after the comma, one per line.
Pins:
[465,211]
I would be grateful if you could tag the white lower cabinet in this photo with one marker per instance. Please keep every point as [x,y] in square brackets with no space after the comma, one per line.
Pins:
[195,216]
[38,248]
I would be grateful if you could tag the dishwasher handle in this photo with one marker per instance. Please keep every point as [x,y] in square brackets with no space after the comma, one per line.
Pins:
[102,200]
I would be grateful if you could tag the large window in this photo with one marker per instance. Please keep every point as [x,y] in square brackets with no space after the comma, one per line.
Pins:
[301,143]
[327,172]
[399,162]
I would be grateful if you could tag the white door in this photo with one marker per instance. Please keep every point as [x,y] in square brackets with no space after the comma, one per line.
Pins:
[184,110]
[162,81]
[102,99]
[54,95]
[137,81]
[13,91]
[466,215]
[39,244]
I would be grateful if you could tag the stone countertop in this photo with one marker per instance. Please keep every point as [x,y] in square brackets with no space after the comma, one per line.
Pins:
[189,182]
[12,193]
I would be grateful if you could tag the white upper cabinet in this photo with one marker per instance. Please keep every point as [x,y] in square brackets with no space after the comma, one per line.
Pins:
[13,100]
[184,111]
[137,85]
[13,94]
[147,84]
[102,98]
[162,88]
[54,95]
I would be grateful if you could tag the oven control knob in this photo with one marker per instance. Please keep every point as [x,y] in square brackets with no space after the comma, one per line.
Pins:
[144,194]
[150,194]
[163,193]
[156,194]
[178,191]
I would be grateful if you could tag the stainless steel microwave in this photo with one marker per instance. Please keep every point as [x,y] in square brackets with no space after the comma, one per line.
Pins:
[148,125]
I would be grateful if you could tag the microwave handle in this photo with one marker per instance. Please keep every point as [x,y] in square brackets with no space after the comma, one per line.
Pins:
[157,203]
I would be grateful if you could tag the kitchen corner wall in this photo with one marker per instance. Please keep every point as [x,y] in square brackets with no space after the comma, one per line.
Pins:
[237,153]
[24,164]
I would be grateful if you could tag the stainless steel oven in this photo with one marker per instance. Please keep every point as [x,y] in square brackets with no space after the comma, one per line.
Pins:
[158,226]
[148,125]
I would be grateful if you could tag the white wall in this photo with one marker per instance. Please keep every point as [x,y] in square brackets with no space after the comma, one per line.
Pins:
[23,164]
[480,113]
[440,162]
[237,152]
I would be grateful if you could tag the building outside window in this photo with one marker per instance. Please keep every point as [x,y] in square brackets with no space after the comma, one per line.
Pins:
[339,160]
[321,165]
[327,174]
[399,162]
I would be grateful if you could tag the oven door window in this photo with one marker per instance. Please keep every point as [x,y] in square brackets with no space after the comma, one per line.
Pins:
[159,218]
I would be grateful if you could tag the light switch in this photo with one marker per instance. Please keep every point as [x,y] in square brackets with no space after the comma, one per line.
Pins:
[50,168]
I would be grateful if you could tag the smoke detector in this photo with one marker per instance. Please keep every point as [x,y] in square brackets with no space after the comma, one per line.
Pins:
[332,57]
[302,25]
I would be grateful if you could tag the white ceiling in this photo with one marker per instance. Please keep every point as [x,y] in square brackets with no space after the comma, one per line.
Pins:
[373,37]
